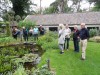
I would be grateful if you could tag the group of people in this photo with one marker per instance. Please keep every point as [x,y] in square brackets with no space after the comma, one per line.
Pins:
[24,32]
[64,34]
[81,36]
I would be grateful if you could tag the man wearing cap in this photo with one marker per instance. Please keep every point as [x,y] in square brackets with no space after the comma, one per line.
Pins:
[84,35]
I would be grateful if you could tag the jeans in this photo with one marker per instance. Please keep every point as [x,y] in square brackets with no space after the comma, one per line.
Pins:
[76,45]
[66,41]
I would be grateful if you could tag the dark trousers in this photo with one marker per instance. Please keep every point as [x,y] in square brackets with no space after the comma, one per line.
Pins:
[15,37]
[25,37]
[35,37]
[76,45]
[66,41]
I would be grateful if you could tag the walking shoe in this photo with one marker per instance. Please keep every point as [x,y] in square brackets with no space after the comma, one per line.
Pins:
[76,51]
[82,59]
[61,52]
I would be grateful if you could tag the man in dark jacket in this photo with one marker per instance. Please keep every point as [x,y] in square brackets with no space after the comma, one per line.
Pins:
[41,30]
[84,35]
[25,34]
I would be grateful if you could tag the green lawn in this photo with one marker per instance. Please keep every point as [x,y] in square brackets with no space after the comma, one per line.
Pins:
[69,63]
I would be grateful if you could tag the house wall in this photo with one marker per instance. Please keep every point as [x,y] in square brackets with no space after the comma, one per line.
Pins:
[89,26]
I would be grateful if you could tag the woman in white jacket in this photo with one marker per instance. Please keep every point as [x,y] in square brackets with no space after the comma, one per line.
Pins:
[61,39]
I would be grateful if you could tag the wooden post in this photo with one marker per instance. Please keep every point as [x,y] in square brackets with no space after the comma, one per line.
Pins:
[48,63]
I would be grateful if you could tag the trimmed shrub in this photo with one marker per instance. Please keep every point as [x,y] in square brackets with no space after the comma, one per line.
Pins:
[52,34]
[93,32]
[48,41]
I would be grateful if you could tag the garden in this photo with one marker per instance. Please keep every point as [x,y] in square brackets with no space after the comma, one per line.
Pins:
[43,58]
[19,57]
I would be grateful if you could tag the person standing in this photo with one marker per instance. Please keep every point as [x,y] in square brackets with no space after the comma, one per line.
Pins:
[76,38]
[84,35]
[25,34]
[31,32]
[21,34]
[14,33]
[67,37]
[35,33]
[61,39]
[41,30]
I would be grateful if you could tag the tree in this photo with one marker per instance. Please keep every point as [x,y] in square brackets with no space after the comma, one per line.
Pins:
[17,18]
[27,24]
[22,7]
[61,6]
[76,5]
[96,4]
[55,5]
[50,10]
[8,18]
[8,29]
[5,5]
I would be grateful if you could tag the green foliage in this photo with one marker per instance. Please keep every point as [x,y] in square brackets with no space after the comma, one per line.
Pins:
[6,56]
[20,71]
[1,23]
[6,40]
[93,32]
[40,71]
[26,24]
[11,13]
[69,62]
[52,34]
[5,64]
[23,17]
[8,30]
[26,58]
[50,10]
[48,40]
[24,6]
[44,40]
[96,6]
[6,17]
[60,6]
[18,18]
[43,71]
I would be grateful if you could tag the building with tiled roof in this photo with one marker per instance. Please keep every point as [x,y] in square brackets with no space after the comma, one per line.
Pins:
[92,19]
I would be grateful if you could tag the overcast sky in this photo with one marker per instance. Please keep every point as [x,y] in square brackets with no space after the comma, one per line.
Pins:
[46,3]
